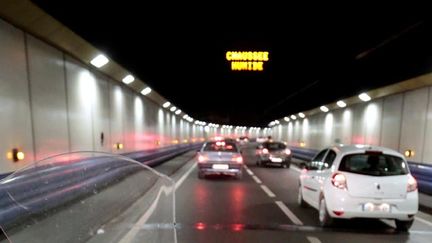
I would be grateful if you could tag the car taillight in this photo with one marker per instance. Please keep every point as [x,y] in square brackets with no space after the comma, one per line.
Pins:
[237,159]
[339,181]
[287,151]
[412,184]
[265,151]
[202,159]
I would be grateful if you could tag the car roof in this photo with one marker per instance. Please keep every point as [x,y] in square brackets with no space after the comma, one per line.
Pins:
[361,148]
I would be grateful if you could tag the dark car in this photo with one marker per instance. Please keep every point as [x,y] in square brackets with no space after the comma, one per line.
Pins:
[273,153]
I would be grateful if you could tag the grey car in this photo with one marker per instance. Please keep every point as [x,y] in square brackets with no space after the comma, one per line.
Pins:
[220,157]
[273,153]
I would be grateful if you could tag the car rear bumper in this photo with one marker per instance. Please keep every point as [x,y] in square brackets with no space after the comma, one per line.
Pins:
[354,207]
[207,168]
[274,160]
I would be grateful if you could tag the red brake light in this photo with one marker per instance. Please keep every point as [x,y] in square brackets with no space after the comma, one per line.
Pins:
[339,181]
[265,151]
[412,184]
[202,159]
[287,151]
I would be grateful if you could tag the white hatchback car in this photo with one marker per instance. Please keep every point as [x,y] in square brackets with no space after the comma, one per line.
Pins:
[359,181]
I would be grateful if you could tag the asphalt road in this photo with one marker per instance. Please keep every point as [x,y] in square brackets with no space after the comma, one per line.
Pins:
[262,207]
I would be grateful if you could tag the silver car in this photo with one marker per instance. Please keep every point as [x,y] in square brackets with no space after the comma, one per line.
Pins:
[220,157]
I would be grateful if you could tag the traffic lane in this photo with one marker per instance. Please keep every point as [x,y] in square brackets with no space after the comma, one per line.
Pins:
[224,200]
[284,184]
[222,209]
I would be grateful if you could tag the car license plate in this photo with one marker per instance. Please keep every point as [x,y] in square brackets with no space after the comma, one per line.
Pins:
[371,207]
[277,160]
[220,166]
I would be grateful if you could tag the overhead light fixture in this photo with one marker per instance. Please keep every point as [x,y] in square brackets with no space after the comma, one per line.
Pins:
[166,104]
[301,114]
[341,104]
[293,117]
[146,91]
[286,119]
[128,79]
[364,97]
[173,108]
[99,61]
[324,108]
[178,112]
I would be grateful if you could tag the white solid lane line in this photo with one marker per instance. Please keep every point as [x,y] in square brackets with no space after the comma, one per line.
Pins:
[267,190]
[130,236]
[288,213]
[257,180]
[180,181]
[313,239]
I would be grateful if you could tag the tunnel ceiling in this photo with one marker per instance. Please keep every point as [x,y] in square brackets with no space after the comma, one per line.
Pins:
[318,54]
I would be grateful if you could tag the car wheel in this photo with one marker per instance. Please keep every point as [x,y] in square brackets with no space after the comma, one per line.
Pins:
[302,203]
[324,217]
[201,175]
[258,163]
[404,226]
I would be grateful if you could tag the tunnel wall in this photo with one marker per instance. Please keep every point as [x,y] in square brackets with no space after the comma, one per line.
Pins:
[51,103]
[400,121]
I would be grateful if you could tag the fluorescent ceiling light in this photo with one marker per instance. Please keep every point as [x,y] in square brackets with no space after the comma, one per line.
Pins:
[146,91]
[128,79]
[364,97]
[324,109]
[341,104]
[99,61]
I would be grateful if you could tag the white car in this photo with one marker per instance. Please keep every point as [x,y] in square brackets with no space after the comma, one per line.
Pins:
[359,181]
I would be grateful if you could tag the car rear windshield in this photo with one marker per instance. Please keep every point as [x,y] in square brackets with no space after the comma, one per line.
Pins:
[374,164]
[220,147]
[274,146]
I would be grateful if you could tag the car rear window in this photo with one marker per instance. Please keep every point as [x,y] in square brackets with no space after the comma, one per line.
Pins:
[220,147]
[374,164]
[274,146]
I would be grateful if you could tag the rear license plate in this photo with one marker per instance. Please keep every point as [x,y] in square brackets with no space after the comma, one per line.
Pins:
[371,207]
[277,160]
[220,166]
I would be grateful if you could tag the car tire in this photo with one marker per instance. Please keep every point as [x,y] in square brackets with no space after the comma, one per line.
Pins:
[324,217]
[403,225]
[286,165]
[301,202]
[201,175]
[258,163]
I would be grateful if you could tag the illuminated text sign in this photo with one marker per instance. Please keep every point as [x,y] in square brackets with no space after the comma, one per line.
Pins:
[247,60]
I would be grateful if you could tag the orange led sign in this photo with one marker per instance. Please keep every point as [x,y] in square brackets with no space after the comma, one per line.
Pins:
[247,60]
